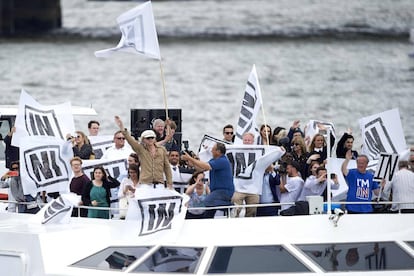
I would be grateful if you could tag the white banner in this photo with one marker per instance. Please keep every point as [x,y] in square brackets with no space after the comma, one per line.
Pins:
[114,167]
[251,104]
[139,35]
[156,209]
[44,164]
[59,210]
[249,163]
[313,128]
[387,166]
[36,120]
[101,143]
[206,145]
[383,132]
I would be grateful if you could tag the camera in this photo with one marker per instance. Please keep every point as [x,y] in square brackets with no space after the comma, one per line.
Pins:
[281,168]
[186,149]
[183,163]
[283,162]
[186,145]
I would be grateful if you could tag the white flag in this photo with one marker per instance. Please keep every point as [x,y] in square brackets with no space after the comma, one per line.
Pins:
[36,120]
[251,104]
[139,35]
[383,132]
[249,163]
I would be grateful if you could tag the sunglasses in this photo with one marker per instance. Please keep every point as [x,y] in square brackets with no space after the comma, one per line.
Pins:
[295,144]
[228,133]
[149,137]
[120,138]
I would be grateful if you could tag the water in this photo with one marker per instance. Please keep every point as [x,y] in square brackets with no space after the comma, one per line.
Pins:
[330,60]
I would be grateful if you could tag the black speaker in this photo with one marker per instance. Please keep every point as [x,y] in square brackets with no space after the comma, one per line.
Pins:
[141,119]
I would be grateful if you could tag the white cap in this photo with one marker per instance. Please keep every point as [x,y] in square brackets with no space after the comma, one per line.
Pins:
[147,134]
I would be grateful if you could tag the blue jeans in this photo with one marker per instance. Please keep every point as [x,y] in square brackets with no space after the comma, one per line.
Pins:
[216,198]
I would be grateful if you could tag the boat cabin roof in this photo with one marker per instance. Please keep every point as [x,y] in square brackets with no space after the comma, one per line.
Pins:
[377,244]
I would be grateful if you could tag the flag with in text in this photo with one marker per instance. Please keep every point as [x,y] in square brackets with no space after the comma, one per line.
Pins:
[251,104]
[139,35]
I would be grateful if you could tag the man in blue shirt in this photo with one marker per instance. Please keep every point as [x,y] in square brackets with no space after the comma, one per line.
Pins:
[360,184]
[221,178]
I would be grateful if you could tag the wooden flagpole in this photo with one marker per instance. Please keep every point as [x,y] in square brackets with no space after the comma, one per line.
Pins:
[163,88]
[263,112]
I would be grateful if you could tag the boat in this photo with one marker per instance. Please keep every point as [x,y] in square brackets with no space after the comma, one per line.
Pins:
[411,39]
[322,244]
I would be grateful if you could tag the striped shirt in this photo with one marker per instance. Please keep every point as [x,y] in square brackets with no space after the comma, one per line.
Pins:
[402,187]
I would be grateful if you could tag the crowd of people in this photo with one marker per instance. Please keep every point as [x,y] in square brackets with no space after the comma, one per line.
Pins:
[155,159]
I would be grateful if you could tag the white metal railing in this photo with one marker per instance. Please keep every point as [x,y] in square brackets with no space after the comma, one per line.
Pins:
[228,208]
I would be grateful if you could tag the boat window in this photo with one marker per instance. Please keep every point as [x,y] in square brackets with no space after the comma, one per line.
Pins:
[172,259]
[116,257]
[255,259]
[4,130]
[359,256]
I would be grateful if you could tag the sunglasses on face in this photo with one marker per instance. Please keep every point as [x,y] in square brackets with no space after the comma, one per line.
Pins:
[120,138]
[149,138]
[228,133]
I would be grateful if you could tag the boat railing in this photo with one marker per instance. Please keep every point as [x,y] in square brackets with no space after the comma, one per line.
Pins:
[228,210]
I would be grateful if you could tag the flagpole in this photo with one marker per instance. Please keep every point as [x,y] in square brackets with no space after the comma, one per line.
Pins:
[163,89]
[265,123]
[263,114]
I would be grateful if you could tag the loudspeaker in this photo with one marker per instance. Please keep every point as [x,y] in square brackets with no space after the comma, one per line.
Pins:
[141,119]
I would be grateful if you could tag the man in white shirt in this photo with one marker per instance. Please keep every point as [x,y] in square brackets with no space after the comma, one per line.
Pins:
[402,188]
[290,186]
[179,177]
[118,151]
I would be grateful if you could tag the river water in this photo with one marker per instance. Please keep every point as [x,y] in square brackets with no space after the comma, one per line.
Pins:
[329,60]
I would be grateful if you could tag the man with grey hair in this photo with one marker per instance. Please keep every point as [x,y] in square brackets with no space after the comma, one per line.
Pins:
[163,132]
[361,184]
[402,188]
[158,125]
[247,190]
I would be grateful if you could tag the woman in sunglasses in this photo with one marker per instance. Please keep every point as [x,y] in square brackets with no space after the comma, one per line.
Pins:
[300,155]
[81,146]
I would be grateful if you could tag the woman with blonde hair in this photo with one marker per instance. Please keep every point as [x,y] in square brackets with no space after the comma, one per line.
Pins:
[318,149]
[81,146]
[300,155]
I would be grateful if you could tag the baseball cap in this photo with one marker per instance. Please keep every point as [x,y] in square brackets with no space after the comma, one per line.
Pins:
[147,134]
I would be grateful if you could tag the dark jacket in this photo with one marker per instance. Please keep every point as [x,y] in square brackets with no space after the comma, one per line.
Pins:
[340,148]
[107,184]
[11,152]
